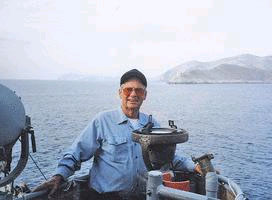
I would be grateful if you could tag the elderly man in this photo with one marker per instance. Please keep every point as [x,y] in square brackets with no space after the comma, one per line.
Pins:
[118,162]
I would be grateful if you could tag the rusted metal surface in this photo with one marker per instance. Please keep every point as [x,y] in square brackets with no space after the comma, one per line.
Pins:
[205,163]
[170,136]
[159,145]
[224,192]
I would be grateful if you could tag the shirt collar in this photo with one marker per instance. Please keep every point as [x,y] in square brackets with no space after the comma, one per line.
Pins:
[123,118]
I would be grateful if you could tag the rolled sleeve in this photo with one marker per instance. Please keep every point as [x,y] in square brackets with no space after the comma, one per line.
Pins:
[64,172]
[183,163]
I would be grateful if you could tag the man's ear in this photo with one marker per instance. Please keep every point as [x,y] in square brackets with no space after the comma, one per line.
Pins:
[145,95]
[120,92]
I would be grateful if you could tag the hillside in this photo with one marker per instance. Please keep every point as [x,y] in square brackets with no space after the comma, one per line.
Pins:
[245,68]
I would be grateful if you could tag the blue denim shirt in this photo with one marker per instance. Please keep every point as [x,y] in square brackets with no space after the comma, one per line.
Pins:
[118,163]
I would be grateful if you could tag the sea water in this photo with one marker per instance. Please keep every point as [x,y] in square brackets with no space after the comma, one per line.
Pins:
[232,121]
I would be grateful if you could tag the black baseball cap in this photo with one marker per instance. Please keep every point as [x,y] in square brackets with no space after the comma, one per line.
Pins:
[134,73]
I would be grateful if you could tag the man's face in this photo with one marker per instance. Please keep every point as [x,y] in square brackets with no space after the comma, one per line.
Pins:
[132,94]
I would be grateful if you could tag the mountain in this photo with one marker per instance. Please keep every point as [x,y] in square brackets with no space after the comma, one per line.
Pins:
[244,68]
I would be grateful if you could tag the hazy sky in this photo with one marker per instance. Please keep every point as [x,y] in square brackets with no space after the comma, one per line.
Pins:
[43,39]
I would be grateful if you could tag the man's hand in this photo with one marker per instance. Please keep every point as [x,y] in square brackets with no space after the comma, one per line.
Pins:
[51,185]
[198,169]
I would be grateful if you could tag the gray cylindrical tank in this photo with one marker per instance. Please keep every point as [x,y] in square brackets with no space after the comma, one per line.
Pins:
[12,116]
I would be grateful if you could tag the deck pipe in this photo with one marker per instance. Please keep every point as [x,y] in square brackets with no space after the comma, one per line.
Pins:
[175,194]
[155,190]
[33,195]
[41,193]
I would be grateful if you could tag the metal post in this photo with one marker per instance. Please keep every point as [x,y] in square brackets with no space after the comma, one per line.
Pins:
[211,184]
[154,180]
[174,194]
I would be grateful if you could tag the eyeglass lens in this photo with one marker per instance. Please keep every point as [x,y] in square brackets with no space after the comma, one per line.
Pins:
[138,91]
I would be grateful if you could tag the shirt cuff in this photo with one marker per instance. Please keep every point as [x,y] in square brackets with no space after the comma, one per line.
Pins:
[64,172]
[190,166]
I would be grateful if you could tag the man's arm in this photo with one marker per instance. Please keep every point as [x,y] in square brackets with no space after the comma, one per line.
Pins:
[183,163]
[81,150]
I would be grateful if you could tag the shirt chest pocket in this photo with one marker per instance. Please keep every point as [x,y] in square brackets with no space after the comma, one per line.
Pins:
[119,149]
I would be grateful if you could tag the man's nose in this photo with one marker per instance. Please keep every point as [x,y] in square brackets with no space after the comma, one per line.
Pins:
[133,92]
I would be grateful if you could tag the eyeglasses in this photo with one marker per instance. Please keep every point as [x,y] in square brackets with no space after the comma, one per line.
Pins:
[139,91]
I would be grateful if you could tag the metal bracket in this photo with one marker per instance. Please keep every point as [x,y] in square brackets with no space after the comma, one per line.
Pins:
[29,129]
[172,124]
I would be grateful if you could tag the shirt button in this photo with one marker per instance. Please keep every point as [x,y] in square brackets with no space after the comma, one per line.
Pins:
[135,144]
[136,157]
